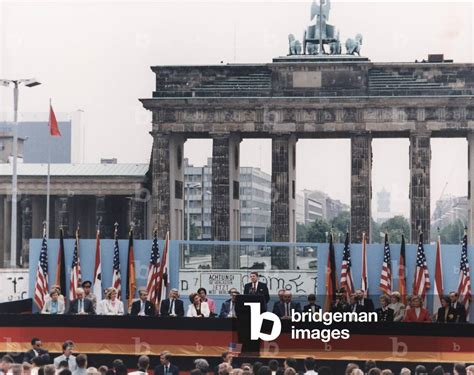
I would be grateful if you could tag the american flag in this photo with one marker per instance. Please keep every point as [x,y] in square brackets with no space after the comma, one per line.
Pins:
[346,274]
[41,286]
[153,271]
[386,274]
[116,278]
[422,282]
[235,348]
[464,289]
[75,280]
[364,282]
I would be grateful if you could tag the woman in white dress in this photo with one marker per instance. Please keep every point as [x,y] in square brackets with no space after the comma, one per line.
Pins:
[110,305]
[397,307]
[197,308]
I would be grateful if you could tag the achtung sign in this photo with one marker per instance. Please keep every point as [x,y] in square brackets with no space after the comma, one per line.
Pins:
[219,282]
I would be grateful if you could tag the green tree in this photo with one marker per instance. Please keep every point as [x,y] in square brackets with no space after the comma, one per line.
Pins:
[301,230]
[375,232]
[452,233]
[316,232]
[342,222]
[395,227]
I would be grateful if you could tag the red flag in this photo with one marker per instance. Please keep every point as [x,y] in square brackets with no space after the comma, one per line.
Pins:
[438,290]
[53,123]
[402,279]
[331,282]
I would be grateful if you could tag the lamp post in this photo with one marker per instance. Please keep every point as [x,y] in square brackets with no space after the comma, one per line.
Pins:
[15,82]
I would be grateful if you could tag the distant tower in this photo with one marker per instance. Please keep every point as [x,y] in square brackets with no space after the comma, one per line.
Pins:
[383,204]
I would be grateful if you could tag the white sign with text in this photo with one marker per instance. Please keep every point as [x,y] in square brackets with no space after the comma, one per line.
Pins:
[14,284]
[218,282]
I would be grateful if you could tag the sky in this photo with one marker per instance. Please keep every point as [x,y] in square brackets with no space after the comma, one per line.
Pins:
[95,56]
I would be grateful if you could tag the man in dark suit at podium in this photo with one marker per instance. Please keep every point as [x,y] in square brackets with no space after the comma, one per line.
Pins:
[255,287]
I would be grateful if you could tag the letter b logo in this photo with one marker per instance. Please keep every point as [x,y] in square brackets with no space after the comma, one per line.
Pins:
[256,321]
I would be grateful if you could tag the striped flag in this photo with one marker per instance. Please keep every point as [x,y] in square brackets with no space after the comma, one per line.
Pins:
[116,278]
[386,273]
[402,278]
[438,290]
[163,282]
[464,288]
[41,285]
[153,271]
[76,278]
[421,283]
[364,282]
[346,273]
[331,281]
[97,269]
[61,267]
[131,278]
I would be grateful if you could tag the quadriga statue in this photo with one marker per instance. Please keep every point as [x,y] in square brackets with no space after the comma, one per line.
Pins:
[353,46]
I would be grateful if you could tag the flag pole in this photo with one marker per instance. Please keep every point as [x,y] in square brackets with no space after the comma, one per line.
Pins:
[48,180]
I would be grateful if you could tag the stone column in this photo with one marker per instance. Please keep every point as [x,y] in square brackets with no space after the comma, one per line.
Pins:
[63,215]
[2,229]
[225,210]
[168,185]
[361,186]
[7,216]
[420,165]
[470,187]
[26,228]
[283,205]
[137,216]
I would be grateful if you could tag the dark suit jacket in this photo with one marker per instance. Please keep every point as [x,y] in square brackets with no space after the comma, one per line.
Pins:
[460,312]
[275,307]
[165,307]
[308,307]
[293,306]
[385,316]
[149,308]
[368,305]
[225,309]
[160,369]
[30,354]
[262,290]
[88,307]
[441,316]
[358,308]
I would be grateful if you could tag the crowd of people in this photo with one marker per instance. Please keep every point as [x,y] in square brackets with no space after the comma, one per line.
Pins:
[201,305]
[38,361]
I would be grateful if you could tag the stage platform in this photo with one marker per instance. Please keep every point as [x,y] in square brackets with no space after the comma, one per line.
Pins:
[194,337]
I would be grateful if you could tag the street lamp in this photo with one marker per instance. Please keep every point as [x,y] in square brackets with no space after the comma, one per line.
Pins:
[31,82]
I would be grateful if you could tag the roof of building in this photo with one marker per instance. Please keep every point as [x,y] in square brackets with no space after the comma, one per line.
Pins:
[126,170]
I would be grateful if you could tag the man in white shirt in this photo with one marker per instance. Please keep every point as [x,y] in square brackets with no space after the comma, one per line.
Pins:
[143,364]
[67,356]
[309,366]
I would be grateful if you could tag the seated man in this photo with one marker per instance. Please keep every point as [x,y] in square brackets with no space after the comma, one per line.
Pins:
[81,305]
[228,307]
[285,307]
[312,306]
[172,306]
[362,300]
[36,351]
[142,307]
[281,292]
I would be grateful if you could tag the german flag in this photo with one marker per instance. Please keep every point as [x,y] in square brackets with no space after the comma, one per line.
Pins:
[131,279]
[331,280]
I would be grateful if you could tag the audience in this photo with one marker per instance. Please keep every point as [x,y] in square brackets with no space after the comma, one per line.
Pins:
[36,351]
[309,366]
[142,366]
[67,356]
[81,363]
[166,367]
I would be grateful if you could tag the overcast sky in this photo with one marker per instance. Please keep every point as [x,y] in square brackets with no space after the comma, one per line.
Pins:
[95,56]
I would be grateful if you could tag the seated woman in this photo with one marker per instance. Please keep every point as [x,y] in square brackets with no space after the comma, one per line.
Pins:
[53,304]
[110,305]
[384,313]
[397,307]
[416,312]
[446,313]
[197,308]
